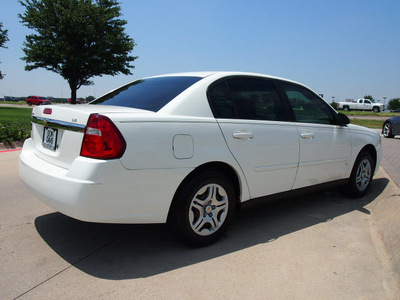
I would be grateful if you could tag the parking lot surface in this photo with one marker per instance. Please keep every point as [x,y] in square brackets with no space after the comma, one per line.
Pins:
[391,157]
[318,246]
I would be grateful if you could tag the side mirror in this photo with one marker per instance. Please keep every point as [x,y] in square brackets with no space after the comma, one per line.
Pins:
[342,119]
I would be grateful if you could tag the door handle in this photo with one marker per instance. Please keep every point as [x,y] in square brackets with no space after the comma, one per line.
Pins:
[307,135]
[242,135]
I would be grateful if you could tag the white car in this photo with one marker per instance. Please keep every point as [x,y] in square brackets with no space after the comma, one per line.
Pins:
[189,148]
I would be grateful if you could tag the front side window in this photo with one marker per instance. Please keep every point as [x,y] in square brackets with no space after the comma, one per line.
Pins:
[307,107]
[148,94]
[246,98]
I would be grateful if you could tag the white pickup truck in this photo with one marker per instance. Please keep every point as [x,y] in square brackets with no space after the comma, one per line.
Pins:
[361,104]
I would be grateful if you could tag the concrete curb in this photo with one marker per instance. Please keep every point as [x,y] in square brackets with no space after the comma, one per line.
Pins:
[11,146]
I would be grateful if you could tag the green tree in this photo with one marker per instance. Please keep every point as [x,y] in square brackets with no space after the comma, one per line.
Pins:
[370,98]
[334,105]
[78,39]
[394,104]
[3,40]
[89,98]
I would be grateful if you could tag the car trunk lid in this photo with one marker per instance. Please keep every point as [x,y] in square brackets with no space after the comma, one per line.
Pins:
[58,130]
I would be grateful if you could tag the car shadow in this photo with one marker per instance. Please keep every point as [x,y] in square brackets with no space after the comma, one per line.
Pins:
[113,251]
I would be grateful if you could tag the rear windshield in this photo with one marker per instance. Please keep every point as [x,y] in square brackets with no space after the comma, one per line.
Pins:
[149,94]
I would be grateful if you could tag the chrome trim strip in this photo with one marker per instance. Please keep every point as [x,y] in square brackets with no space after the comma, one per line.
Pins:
[276,168]
[343,160]
[58,124]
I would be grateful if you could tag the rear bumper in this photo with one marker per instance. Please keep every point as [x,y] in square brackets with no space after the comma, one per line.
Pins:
[101,190]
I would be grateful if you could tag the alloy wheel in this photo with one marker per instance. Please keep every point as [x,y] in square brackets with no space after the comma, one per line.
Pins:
[363,175]
[208,209]
[387,130]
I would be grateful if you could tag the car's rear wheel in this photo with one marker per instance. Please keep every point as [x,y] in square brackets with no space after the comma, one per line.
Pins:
[387,130]
[361,175]
[376,109]
[30,103]
[346,108]
[204,208]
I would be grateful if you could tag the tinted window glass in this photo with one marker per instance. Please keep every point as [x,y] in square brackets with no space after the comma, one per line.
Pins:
[221,101]
[246,98]
[307,107]
[149,94]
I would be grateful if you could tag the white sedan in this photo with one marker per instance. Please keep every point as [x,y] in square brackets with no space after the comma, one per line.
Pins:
[189,148]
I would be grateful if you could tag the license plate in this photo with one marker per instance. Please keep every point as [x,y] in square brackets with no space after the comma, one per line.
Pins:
[50,138]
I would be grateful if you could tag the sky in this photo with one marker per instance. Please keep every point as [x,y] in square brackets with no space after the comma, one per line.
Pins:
[343,49]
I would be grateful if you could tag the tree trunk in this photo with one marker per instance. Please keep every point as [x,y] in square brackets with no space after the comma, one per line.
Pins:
[73,93]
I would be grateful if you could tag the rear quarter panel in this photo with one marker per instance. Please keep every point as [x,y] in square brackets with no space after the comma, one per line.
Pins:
[164,143]
[150,143]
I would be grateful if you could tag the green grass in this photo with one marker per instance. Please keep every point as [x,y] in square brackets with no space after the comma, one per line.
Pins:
[368,113]
[21,115]
[13,102]
[368,123]
[15,124]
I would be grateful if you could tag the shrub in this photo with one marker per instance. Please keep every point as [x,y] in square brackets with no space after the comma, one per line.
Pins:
[13,132]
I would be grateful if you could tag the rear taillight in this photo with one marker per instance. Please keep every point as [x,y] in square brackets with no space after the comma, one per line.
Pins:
[102,139]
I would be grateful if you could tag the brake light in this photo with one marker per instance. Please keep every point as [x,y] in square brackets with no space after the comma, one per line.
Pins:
[102,139]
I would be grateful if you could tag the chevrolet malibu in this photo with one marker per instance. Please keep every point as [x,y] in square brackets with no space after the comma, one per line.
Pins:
[189,148]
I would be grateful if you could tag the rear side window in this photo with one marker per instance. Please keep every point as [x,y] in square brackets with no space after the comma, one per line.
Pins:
[246,98]
[148,94]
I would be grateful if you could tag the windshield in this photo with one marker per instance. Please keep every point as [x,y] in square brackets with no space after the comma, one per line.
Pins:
[149,94]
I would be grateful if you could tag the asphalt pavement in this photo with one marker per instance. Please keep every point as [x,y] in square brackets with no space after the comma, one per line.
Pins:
[318,246]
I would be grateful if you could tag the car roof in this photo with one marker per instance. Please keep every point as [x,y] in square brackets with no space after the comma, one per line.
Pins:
[221,74]
[204,74]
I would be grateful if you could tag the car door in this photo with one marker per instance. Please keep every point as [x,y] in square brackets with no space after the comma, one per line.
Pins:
[367,105]
[252,119]
[325,148]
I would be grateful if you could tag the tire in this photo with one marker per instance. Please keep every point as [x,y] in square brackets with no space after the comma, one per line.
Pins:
[203,208]
[387,130]
[361,176]
[346,108]
[376,109]
[30,103]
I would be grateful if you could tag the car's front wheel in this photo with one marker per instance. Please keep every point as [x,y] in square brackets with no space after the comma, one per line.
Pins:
[204,208]
[361,175]
[387,130]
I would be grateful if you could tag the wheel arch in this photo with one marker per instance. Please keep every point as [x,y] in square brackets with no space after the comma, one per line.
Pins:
[371,150]
[376,108]
[216,166]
